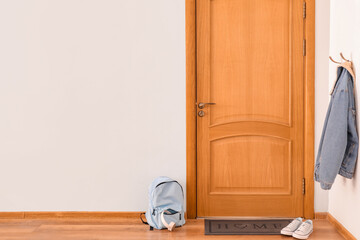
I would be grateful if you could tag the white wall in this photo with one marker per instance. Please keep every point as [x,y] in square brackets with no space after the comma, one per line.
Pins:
[322,34]
[92,102]
[92,96]
[344,197]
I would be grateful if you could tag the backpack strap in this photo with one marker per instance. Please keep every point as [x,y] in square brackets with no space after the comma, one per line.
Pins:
[170,226]
[145,222]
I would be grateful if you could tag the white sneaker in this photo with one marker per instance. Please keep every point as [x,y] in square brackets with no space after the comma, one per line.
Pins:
[304,231]
[291,228]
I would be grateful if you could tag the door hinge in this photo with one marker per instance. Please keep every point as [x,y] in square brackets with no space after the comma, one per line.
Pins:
[304,47]
[304,10]
[303,186]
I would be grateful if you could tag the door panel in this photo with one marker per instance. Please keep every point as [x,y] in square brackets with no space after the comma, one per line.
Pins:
[236,26]
[265,172]
[250,144]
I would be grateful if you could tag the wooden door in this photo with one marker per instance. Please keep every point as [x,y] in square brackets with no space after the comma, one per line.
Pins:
[250,144]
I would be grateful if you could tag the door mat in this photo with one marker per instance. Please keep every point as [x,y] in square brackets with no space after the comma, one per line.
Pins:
[245,227]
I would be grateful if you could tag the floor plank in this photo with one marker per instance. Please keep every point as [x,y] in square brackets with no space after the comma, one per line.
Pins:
[111,229]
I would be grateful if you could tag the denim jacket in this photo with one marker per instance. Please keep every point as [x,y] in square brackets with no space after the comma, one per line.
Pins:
[339,142]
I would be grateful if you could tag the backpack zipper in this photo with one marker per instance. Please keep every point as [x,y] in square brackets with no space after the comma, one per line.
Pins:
[182,190]
[177,212]
[164,183]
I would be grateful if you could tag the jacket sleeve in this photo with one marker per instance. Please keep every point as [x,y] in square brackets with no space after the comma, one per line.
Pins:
[335,139]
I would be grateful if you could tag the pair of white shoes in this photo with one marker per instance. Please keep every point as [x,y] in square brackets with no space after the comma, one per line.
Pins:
[298,229]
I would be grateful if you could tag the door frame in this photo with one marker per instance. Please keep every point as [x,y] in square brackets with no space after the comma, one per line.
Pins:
[191,108]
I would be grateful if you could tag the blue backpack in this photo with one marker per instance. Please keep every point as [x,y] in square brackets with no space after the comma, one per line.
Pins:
[166,204]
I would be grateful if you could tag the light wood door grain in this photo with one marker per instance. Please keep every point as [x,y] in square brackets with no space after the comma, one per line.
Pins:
[250,144]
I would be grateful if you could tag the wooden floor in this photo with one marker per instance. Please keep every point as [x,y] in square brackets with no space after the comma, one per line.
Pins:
[93,229]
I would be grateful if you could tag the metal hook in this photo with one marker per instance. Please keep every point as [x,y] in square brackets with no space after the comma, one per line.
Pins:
[342,56]
[334,60]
